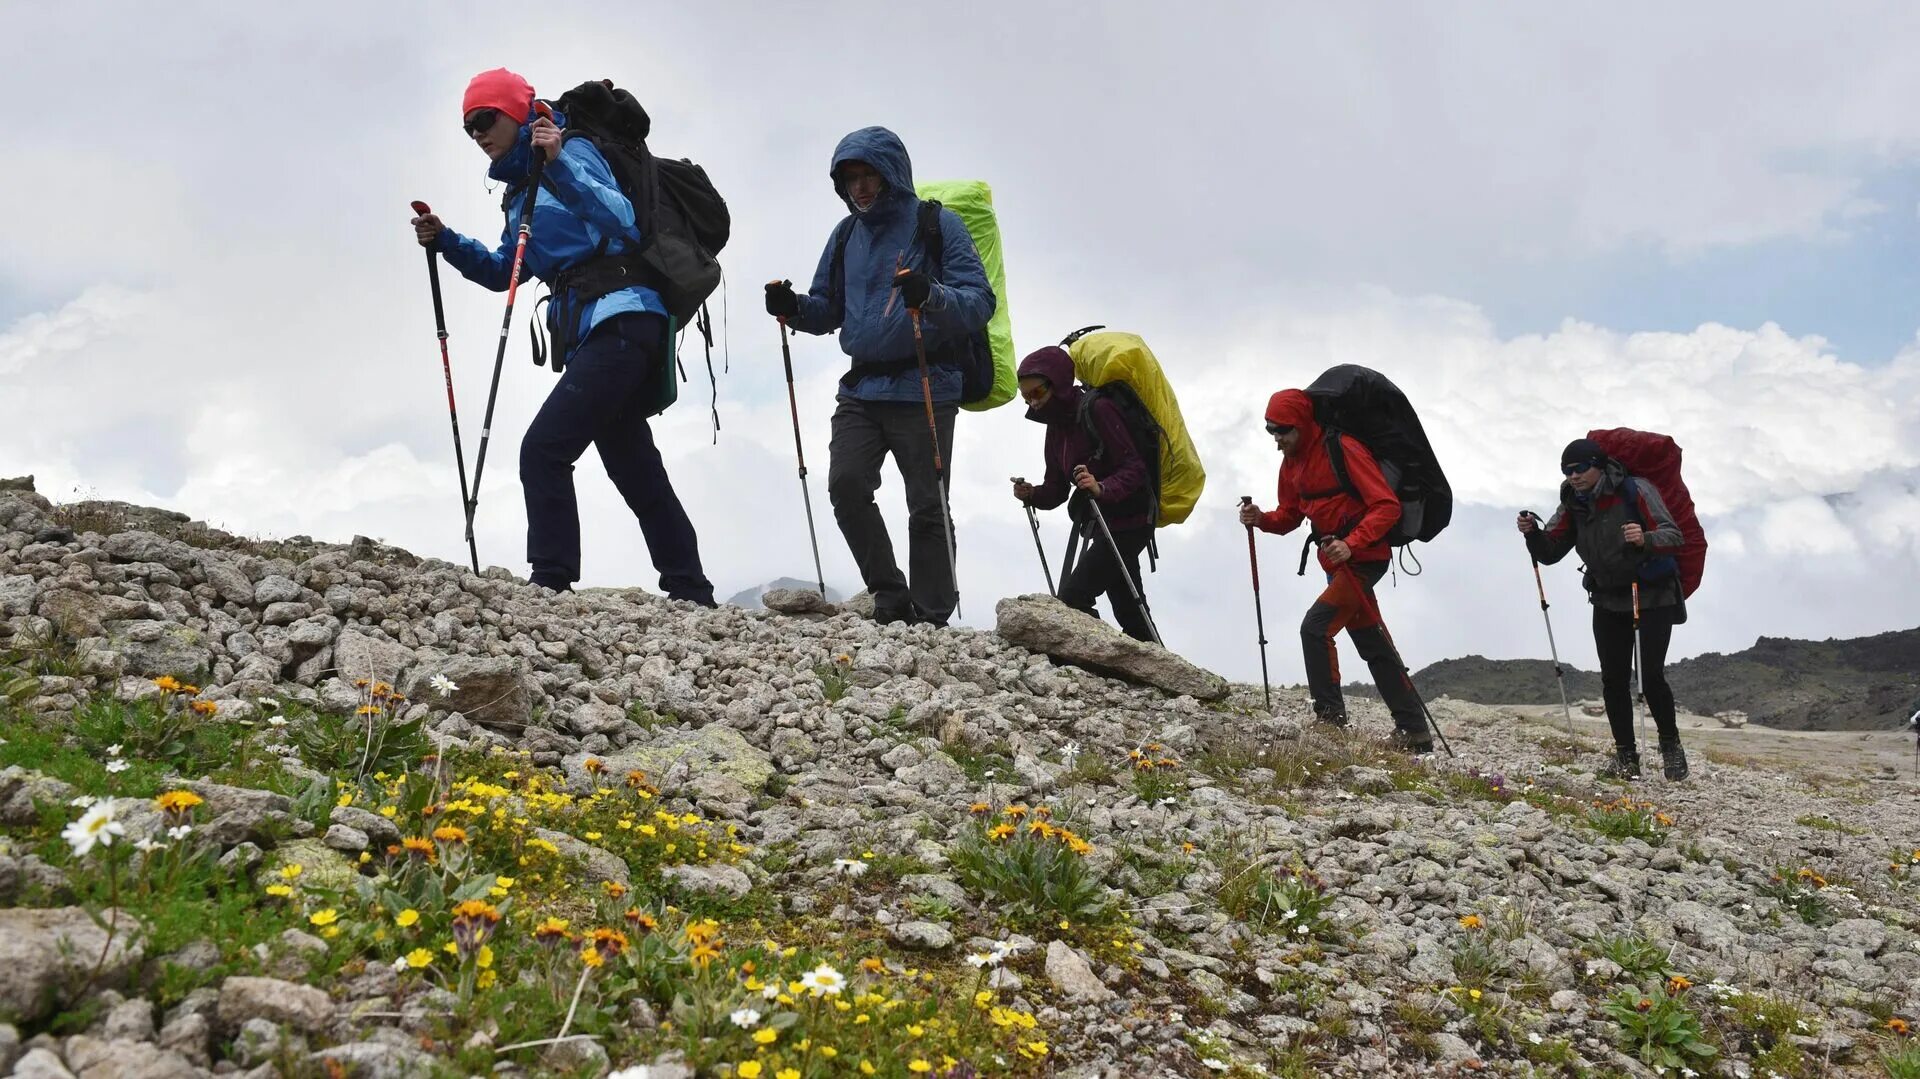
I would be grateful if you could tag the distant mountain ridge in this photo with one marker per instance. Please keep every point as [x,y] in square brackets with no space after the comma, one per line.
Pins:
[1852,684]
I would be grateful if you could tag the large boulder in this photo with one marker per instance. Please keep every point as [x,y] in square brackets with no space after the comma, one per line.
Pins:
[492,691]
[276,1001]
[358,654]
[680,756]
[50,952]
[153,647]
[1040,623]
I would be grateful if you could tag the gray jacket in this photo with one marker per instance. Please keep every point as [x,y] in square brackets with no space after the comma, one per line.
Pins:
[1591,524]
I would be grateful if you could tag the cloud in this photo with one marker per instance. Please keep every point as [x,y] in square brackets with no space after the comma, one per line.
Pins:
[58,336]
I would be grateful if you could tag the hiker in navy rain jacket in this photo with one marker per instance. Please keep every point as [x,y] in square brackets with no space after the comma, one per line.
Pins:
[612,347]
[881,408]
[1110,470]
[1625,536]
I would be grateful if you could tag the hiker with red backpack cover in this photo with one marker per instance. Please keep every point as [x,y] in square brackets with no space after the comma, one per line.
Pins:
[1102,464]
[611,346]
[1350,522]
[1631,547]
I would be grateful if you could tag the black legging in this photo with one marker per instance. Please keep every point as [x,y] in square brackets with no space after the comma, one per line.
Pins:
[1613,640]
[1097,574]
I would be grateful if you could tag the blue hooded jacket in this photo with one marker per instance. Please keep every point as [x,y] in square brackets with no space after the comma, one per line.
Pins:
[578,204]
[961,302]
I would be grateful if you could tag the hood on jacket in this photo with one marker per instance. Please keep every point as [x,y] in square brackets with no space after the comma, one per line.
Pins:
[1056,366]
[1293,408]
[883,150]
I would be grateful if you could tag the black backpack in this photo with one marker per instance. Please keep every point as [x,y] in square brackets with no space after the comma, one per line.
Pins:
[683,221]
[973,354]
[1364,405]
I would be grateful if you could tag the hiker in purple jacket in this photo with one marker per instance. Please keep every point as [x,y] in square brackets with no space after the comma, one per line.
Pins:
[1090,454]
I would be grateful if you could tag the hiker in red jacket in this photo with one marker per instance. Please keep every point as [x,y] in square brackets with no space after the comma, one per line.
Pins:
[1091,456]
[1351,530]
[1625,535]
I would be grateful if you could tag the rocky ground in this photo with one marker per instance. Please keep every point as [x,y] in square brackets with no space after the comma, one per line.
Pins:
[302,808]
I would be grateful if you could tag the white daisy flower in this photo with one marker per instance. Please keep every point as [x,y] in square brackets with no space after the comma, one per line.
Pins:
[442,685]
[97,825]
[744,1018]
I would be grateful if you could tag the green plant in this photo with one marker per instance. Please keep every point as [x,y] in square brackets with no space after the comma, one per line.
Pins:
[374,739]
[833,676]
[1824,823]
[1476,963]
[1902,1061]
[931,907]
[1035,871]
[1659,1028]
[1800,892]
[1638,956]
[1624,818]
[1156,775]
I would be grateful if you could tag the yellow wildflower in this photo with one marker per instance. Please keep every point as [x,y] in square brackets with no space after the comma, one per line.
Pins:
[406,919]
[419,957]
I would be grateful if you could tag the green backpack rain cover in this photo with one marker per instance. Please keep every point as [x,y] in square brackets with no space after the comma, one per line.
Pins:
[973,201]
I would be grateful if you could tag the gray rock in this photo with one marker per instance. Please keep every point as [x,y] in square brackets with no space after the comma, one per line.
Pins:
[229,582]
[1702,926]
[152,647]
[708,879]
[493,691]
[600,865]
[1453,1049]
[1071,975]
[94,1058]
[680,755]
[260,1040]
[9,1045]
[922,936]
[23,792]
[75,615]
[41,1064]
[129,1021]
[575,1055]
[942,888]
[358,654]
[377,1060]
[50,952]
[1043,624]
[275,588]
[796,601]
[16,595]
[300,1006]
[376,827]
[345,839]
[191,1036]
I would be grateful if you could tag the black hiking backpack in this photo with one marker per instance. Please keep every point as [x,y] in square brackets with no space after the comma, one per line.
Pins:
[972,354]
[1364,405]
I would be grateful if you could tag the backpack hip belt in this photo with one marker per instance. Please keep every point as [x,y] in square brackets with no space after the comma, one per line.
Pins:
[569,293]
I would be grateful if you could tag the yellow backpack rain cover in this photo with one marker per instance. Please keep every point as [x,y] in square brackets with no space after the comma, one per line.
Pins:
[1109,356]
[973,201]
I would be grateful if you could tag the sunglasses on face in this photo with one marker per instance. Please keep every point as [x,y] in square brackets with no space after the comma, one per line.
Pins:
[1276,430]
[480,121]
[1578,467]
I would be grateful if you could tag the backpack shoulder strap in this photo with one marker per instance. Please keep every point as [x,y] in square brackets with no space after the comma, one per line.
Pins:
[1630,494]
[932,237]
[1337,456]
[1084,418]
[837,272]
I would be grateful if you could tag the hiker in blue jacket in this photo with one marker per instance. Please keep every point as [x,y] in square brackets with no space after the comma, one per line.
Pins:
[857,290]
[611,343]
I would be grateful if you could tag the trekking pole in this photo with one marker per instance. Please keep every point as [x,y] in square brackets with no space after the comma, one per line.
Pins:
[1559,672]
[506,320]
[1259,617]
[939,469]
[1639,671]
[1033,522]
[421,209]
[1405,674]
[1120,565]
[806,498]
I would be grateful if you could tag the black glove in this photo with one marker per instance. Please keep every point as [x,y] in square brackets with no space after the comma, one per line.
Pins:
[781,302]
[914,288]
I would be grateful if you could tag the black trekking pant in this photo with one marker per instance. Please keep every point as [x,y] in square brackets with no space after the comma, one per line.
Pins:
[601,401]
[864,433]
[1098,572]
[1317,638]
[1613,640]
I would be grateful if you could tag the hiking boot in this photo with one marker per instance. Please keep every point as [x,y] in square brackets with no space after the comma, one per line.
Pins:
[1419,744]
[1625,765]
[1332,717]
[1673,761]
[887,614]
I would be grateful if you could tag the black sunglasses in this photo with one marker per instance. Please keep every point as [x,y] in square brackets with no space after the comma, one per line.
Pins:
[1578,467]
[481,120]
[1276,430]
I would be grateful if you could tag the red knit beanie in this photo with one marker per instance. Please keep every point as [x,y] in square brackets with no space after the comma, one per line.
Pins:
[499,89]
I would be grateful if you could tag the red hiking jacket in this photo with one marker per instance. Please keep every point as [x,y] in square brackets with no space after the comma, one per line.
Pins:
[1310,491]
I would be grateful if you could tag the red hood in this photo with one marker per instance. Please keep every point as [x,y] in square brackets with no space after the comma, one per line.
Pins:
[1293,408]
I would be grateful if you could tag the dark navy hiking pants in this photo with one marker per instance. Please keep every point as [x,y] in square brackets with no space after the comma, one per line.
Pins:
[601,401]
[1317,631]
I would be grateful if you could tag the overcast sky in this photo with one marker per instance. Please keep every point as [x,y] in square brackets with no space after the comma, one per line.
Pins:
[1536,220]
